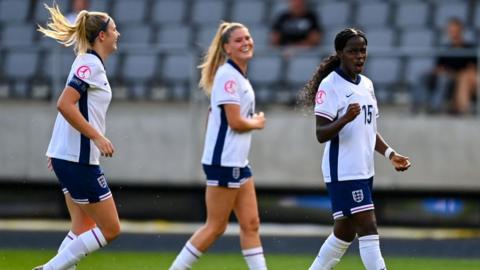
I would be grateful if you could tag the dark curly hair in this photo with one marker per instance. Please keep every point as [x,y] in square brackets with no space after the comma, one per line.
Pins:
[306,95]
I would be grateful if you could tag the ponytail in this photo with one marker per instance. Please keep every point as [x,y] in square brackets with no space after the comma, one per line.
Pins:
[215,55]
[81,34]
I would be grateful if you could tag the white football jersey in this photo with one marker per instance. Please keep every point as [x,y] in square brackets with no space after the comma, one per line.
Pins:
[89,78]
[223,146]
[350,154]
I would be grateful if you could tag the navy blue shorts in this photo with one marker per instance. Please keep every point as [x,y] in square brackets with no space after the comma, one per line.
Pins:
[85,183]
[350,197]
[230,177]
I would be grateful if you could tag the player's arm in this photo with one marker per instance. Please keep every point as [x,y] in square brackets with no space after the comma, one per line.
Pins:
[327,129]
[399,162]
[67,106]
[241,124]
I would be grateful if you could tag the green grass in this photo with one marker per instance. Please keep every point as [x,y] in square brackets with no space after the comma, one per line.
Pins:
[104,260]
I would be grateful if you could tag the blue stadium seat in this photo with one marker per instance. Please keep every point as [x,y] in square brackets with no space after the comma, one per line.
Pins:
[20,69]
[169,11]
[174,36]
[334,14]
[373,14]
[17,34]
[13,10]
[127,11]
[411,14]
[248,12]
[208,12]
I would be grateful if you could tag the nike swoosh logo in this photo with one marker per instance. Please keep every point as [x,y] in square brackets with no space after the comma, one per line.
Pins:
[349,95]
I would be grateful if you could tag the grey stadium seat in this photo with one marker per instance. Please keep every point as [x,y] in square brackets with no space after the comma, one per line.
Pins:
[20,68]
[380,37]
[411,14]
[138,71]
[41,14]
[13,10]
[136,34]
[248,12]
[445,10]
[174,36]
[416,67]
[373,14]
[204,35]
[260,34]
[422,37]
[334,14]
[177,72]
[169,11]
[383,70]
[58,63]
[100,5]
[128,11]
[208,11]
[265,69]
[17,34]
[300,69]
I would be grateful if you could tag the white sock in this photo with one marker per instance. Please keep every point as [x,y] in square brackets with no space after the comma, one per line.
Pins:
[86,243]
[67,240]
[186,258]
[370,252]
[254,258]
[330,253]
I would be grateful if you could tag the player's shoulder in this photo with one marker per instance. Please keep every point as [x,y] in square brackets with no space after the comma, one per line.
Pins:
[328,83]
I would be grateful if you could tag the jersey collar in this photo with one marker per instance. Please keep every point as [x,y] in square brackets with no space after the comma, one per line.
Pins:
[96,54]
[343,75]
[235,66]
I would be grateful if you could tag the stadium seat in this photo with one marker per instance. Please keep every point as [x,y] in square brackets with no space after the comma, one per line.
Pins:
[265,74]
[17,34]
[100,5]
[127,11]
[382,37]
[177,71]
[448,9]
[411,14]
[20,69]
[174,36]
[372,14]
[138,34]
[208,12]
[169,11]
[333,14]
[139,70]
[417,37]
[300,69]
[248,12]
[204,35]
[58,63]
[416,67]
[13,10]
[384,70]
[260,34]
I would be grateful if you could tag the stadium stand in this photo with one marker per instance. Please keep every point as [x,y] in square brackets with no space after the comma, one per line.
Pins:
[399,32]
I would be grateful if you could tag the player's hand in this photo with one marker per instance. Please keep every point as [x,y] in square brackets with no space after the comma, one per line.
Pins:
[49,164]
[105,146]
[353,111]
[259,118]
[400,163]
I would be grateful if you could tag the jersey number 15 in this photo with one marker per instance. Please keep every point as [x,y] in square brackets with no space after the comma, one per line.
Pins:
[367,112]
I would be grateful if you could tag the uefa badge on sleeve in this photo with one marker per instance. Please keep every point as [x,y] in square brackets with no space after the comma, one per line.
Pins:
[357,195]
[102,181]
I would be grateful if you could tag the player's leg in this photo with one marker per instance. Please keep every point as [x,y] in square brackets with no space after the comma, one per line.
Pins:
[369,240]
[464,89]
[335,245]
[246,211]
[105,215]
[219,202]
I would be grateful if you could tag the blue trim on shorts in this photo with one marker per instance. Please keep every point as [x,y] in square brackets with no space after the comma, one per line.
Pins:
[85,183]
[230,177]
[222,134]
[350,197]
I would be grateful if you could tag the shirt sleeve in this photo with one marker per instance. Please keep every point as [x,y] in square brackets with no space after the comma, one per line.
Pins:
[225,90]
[78,84]
[327,103]
[87,72]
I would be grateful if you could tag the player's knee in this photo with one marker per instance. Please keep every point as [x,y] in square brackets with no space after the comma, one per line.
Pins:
[250,225]
[217,229]
[111,232]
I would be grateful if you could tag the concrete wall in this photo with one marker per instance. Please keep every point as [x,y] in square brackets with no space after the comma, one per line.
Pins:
[161,143]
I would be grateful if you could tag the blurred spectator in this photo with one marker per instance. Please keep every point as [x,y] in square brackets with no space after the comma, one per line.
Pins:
[77,6]
[297,26]
[453,80]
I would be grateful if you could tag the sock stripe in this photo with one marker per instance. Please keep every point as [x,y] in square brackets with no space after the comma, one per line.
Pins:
[253,254]
[191,251]
[96,238]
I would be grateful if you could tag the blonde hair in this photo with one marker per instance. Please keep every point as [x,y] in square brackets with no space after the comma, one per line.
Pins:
[215,55]
[81,34]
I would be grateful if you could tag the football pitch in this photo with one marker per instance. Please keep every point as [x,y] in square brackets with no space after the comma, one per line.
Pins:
[119,260]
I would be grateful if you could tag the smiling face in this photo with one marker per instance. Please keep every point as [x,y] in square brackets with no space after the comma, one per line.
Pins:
[353,56]
[239,46]
[110,37]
